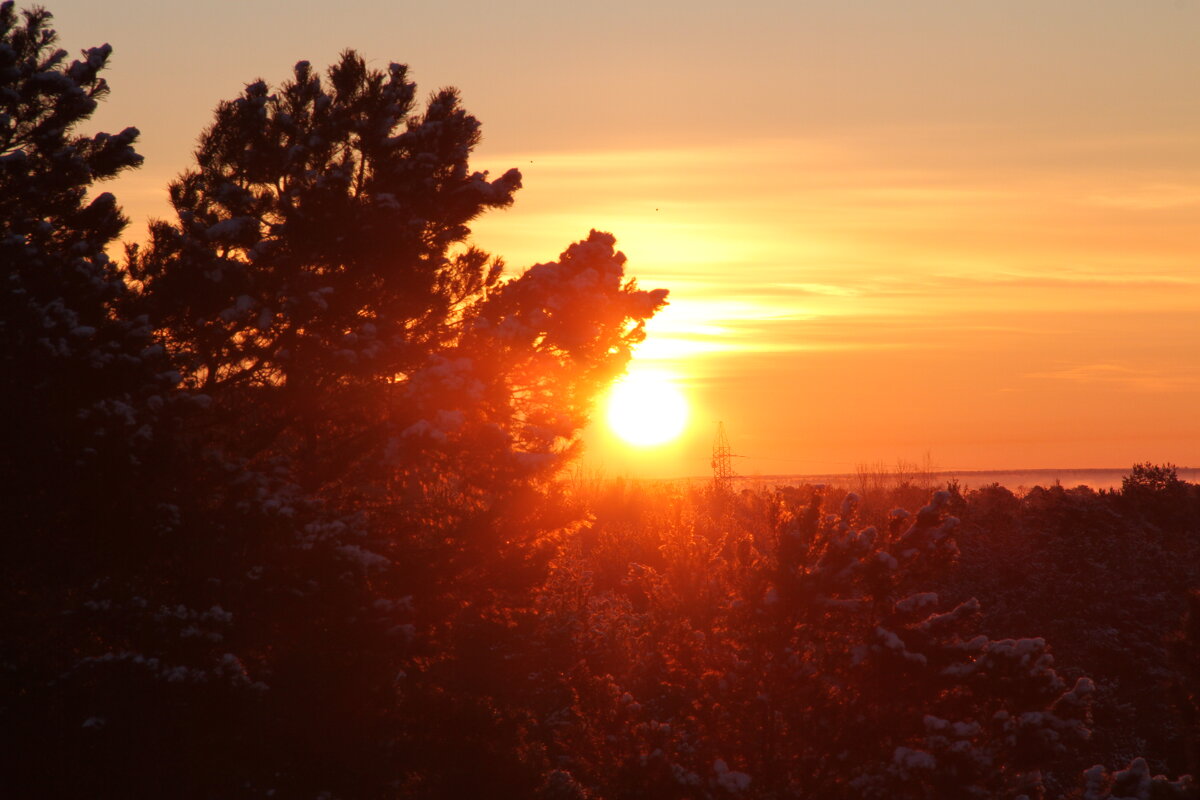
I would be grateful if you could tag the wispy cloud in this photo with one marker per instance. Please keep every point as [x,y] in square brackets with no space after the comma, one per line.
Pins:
[1123,377]
[1066,278]
[1152,197]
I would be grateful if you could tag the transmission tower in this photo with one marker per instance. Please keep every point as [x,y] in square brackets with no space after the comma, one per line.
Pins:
[722,461]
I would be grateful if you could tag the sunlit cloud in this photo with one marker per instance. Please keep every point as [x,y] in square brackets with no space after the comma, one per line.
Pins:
[694,326]
[1123,377]
[1059,278]
[1151,198]
[819,288]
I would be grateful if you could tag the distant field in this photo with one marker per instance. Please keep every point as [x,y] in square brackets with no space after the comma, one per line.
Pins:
[1011,479]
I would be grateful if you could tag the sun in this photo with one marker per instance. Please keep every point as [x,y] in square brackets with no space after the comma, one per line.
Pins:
[645,409]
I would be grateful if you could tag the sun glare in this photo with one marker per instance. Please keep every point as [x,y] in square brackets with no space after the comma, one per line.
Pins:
[646,409]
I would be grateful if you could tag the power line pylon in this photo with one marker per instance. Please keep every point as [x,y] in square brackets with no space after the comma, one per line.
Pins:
[722,461]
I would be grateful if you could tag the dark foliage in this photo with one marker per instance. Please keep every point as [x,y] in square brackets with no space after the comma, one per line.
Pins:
[85,390]
[1095,575]
[81,382]
[754,635]
[285,517]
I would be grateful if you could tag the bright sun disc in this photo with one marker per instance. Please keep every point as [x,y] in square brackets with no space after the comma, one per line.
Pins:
[646,409]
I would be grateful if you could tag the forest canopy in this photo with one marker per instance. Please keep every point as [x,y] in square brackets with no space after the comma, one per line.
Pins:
[285,512]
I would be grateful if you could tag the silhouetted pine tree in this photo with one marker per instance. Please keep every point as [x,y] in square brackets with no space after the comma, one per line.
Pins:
[77,380]
[83,394]
[385,415]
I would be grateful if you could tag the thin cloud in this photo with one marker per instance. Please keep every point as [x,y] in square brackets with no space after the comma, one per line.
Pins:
[1154,197]
[1068,280]
[1121,376]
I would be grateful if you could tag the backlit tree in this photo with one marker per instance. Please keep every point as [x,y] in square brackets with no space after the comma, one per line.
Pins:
[385,415]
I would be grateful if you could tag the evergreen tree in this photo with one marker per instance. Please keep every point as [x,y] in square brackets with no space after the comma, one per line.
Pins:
[79,382]
[385,417]
[297,540]
[83,393]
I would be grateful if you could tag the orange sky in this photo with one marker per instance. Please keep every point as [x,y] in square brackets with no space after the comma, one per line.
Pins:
[967,229]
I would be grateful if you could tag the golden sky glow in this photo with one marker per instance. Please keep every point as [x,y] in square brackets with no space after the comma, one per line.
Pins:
[962,228]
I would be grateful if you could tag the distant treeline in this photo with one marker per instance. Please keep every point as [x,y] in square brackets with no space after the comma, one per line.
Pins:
[1017,480]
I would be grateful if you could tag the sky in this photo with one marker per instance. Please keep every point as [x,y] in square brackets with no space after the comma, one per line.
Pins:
[946,231]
